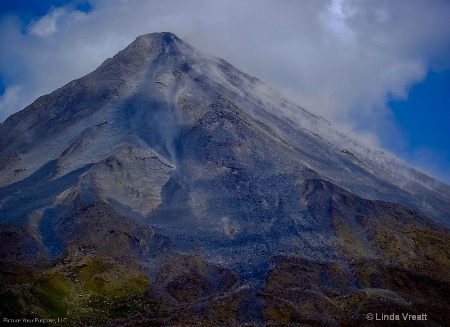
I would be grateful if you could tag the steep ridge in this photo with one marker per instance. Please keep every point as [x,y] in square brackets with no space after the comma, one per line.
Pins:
[213,193]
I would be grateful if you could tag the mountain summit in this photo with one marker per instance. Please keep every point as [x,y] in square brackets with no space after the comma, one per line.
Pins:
[168,187]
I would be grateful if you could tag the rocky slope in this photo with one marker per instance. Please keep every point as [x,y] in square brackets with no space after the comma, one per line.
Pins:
[169,188]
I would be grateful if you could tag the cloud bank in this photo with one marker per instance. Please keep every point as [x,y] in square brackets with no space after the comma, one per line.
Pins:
[342,59]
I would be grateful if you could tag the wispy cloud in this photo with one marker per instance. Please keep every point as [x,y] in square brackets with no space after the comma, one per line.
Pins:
[47,24]
[10,99]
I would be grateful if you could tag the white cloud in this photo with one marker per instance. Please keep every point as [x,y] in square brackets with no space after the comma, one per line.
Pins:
[47,24]
[10,100]
[341,59]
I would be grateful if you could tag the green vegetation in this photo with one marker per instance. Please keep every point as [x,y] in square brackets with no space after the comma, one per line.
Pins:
[85,289]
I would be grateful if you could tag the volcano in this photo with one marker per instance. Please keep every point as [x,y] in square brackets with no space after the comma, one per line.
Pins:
[169,188]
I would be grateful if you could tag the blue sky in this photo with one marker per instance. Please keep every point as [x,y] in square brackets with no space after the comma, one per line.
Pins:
[424,120]
[29,9]
[379,70]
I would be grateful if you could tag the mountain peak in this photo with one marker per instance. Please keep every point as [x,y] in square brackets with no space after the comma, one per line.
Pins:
[154,39]
[166,36]
[164,42]
[142,51]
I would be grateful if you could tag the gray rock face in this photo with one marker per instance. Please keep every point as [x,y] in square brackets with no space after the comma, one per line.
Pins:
[207,160]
